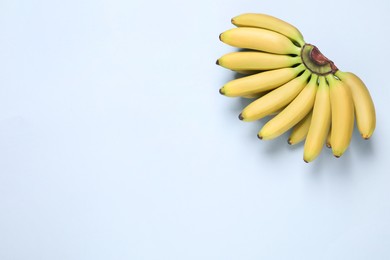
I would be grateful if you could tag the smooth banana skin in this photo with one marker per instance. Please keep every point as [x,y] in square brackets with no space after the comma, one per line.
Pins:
[292,114]
[342,110]
[260,82]
[275,99]
[320,123]
[259,39]
[271,23]
[364,106]
[254,60]
[300,130]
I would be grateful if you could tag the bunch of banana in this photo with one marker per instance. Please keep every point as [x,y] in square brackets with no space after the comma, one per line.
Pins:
[292,81]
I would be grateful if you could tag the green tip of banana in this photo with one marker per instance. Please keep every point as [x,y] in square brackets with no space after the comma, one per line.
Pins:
[297,84]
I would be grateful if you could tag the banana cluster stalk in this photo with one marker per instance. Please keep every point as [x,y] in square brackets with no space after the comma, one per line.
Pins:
[295,84]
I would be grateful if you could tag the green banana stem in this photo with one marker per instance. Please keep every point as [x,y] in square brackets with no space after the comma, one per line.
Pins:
[316,62]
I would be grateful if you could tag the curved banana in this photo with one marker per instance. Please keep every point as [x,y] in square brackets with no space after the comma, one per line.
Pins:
[259,39]
[320,123]
[260,82]
[364,106]
[293,113]
[275,99]
[254,60]
[300,130]
[342,115]
[271,23]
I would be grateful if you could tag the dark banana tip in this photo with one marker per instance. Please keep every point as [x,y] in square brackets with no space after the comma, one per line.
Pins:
[259,136]
[337,156]
[232,20]
[221,91]
[217,62]
[289,141]
[305,161]
[240,116]
[220,36]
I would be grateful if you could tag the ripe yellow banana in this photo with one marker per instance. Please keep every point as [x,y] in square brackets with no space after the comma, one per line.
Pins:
[259,39]
[271,23]
[293,113]
[300,130]
[275,99]
[260,82]
[364,106]
[320,123]
[254,60]
[342,110]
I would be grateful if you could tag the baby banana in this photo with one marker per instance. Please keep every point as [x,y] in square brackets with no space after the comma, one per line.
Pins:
[270,23]
[364,106]
[296,84]
[341,104]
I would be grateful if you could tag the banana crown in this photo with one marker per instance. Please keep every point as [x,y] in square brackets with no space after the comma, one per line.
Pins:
[296,84]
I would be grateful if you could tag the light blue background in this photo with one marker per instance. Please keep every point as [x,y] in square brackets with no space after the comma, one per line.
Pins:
[115,144]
